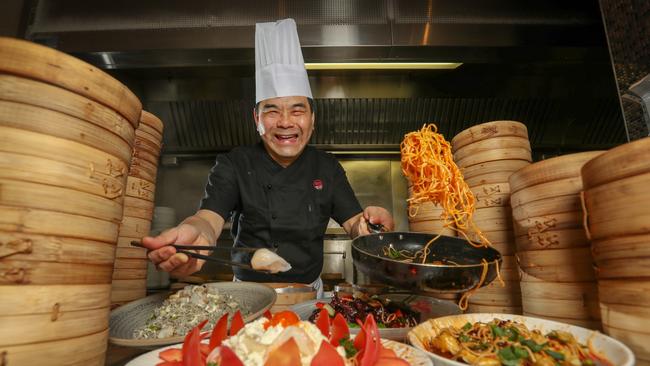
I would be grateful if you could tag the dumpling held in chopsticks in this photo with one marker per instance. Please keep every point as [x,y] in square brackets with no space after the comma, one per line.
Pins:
[267,260]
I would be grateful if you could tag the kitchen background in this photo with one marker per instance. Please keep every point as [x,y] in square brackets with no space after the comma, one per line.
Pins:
[547,64]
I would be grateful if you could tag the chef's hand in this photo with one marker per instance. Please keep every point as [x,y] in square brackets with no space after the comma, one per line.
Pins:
[195,230]
[374,215]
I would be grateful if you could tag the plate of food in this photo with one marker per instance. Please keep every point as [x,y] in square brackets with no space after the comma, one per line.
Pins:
[395,314]
[503,339]
[165,318]
[282,339]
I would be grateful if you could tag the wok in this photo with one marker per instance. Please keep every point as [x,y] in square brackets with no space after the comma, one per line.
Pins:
[369,259]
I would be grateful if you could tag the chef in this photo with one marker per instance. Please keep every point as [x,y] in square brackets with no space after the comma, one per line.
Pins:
[279,193]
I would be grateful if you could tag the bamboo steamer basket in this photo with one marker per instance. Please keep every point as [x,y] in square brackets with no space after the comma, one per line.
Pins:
[621,162]
[637,341]
[624,247]
[623,268]
[143,169]
[552,189]
[628,317]
[16,272]
[130,263]
[482,146]
[547,206]
[140,188]
[489,130]
[148,156]
[151,124]
[550,170]
[121,297]
[556,221]
[484,214]
[618,208]
[46,248]
[147,142]
[504,248]
[585,323]
[88,350]
[489,178]
[125,241]
[137,207]
[285,300]
[131,253]
[570,300]
[24,168]
[635,292]
[558,265]
[52,299]
[552,239]
[52,123]
[492,167]
[50,327]
[42,63]
[150,130]
[46,197]
[31,92]
[130,274]
[424,211]
[135,227]
[32,144]
[432,227]
[491,195]
[496,154]
[498,236]
[500,298]
[480,308]
[33,221]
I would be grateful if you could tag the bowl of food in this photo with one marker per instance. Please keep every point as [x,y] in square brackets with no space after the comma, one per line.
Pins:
[165,318]
[503,339]
[395,314]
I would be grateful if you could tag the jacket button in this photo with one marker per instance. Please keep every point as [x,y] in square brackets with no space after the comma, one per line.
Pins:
[268,186]
[274,216]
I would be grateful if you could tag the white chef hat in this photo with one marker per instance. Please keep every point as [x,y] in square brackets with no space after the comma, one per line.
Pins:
[279,66]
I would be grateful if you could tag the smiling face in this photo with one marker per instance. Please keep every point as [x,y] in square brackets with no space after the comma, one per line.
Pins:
[288,123]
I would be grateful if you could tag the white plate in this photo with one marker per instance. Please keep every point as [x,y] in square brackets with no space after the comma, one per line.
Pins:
[413,356]
[614,350]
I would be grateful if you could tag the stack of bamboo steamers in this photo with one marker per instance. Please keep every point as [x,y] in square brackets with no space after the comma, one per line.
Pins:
[66,136]
[557,276]
[617,206]
[130,274]
[487,155]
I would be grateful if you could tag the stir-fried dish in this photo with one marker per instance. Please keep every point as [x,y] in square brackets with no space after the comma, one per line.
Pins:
[505,342]
[183,310]
[387,314]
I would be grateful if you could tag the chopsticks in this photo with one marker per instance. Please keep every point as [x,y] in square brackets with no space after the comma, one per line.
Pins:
[183,249]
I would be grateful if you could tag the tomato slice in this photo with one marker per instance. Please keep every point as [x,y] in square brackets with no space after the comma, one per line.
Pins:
[219,332]
[236,324]
[323,323]
[327,356]
[268,315]
[229,357]
[288,354]
[391,361]
[339,330]
[171,355]
[170,363]
[373,342]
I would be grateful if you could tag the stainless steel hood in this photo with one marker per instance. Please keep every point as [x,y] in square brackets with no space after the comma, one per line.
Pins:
[543,63]
[168,33]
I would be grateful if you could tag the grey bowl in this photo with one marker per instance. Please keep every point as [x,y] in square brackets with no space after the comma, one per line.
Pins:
[428,307]
[126,319]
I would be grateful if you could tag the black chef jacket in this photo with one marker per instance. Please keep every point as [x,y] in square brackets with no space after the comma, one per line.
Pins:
[287,208]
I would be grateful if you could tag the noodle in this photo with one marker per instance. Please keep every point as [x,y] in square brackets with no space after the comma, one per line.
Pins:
[427,161]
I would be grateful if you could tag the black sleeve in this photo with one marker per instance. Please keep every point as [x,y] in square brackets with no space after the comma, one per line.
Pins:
[221,191]
[344,203]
